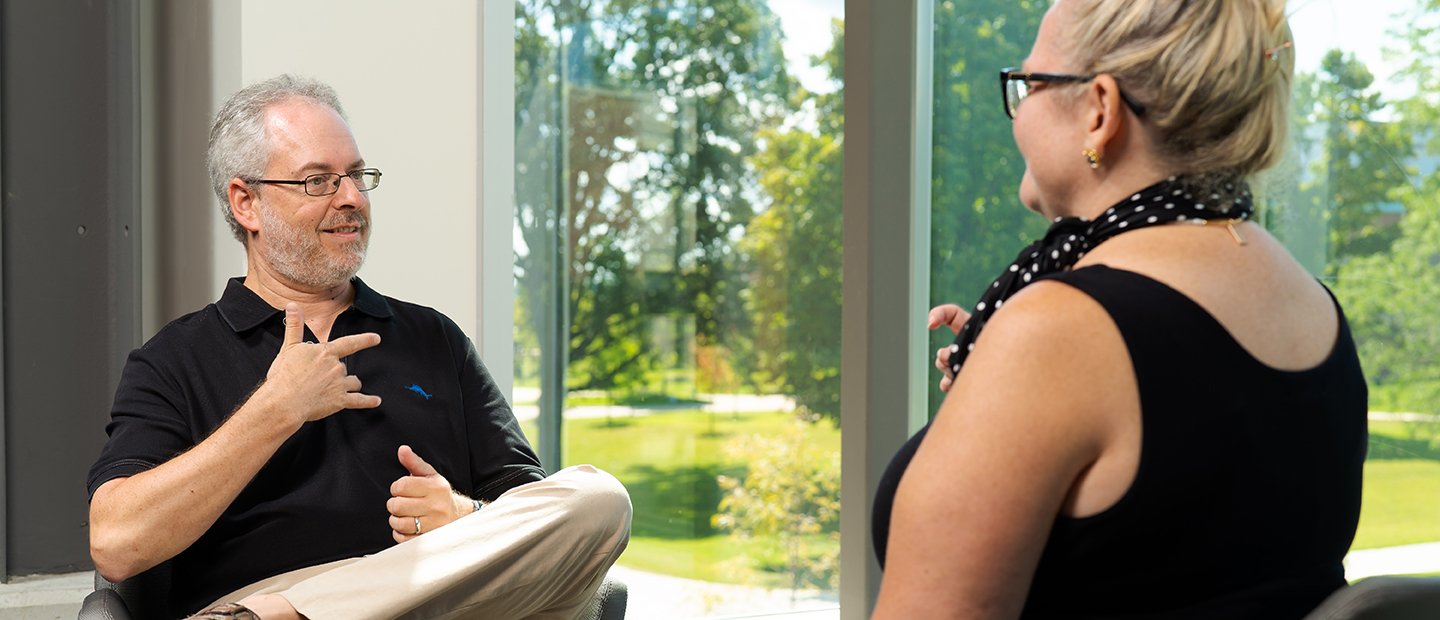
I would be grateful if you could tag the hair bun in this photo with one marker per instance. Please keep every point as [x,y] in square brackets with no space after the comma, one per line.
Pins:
[1214,75]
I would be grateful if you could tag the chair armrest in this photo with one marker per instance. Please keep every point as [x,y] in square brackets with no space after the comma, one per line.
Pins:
[143,596]
[104,604]
[1385,597]
[609,601]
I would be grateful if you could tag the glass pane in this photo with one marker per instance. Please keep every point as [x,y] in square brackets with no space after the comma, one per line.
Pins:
[977,223]
[1358,208]
[1356,204]
[677,234]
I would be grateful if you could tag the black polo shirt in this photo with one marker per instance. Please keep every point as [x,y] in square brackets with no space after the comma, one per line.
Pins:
[321,497]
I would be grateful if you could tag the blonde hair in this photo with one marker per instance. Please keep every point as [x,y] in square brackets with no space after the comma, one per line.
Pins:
[1214,76]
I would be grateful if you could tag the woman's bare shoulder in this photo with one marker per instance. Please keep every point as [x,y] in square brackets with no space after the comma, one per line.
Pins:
[1257,291]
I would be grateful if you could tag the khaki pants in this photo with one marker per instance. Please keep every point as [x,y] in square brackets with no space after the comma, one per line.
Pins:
[539,551]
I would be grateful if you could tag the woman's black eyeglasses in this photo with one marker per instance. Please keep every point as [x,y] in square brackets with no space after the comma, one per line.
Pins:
[326,183]
[1016,85]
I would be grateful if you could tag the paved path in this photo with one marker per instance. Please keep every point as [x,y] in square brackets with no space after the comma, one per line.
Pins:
[662,597]
[654,596]
[1400,416]
[526,409]
[43,597]
[1402,560]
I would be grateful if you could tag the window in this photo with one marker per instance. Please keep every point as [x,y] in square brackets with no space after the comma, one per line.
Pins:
[1358,208]
[677,225]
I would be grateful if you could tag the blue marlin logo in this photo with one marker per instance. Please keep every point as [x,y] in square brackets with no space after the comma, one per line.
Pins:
[415,387]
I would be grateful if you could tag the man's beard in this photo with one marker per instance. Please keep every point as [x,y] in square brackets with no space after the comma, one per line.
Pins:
[300,257]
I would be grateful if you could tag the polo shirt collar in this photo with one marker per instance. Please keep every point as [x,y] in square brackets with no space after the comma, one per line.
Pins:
[370,302]
[243,310]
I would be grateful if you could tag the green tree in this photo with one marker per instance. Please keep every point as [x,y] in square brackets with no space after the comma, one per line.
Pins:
[1390,300]
[1389,296]
[633,119]
[977,223]
[1421,113]
[791,492]
[795,247]
[1361,160]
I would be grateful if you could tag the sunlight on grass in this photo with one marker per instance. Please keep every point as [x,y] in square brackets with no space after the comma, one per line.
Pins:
[670,460]
[719,558]
[1400,505]
[1401,501]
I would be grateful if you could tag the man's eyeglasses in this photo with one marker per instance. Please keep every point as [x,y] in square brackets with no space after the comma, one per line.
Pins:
[1016,85]
[326,183]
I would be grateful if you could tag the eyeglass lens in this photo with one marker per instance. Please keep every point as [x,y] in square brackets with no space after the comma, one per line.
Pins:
[1015,92]
[326,183]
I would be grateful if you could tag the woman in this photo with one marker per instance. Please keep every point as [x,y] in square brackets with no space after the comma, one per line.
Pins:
[1164,415]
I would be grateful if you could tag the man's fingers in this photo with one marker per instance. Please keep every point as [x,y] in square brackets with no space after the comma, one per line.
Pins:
[404,486]
[405,506]
[413,463]
[416,486]
[404,525]
[294,325]
[347,345]
[356,400]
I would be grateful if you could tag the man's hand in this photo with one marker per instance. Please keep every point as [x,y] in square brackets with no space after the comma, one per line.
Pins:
[952,316]
[310,378]
[139,521]
[423,500]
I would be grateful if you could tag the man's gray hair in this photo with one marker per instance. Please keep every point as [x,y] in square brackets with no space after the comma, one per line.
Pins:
[238,144]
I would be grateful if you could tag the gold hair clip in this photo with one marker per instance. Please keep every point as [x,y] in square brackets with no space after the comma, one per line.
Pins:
[1274,52]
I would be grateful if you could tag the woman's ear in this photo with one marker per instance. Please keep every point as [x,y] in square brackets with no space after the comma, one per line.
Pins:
[243,204]
[1104,112]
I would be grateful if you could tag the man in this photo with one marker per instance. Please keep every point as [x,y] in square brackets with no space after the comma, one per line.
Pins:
[307,446]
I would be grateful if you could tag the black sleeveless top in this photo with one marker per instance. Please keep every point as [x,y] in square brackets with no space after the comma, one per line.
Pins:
[1247,493]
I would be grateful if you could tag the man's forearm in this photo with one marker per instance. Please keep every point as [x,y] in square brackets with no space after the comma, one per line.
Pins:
[143,520]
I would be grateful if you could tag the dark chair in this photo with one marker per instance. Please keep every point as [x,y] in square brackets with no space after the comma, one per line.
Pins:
[1386,597]
[143,598]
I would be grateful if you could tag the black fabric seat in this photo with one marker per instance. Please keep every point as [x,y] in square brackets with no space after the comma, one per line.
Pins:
[1386,597]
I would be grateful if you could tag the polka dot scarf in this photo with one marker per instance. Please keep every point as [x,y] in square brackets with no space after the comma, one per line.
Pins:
[1069,238]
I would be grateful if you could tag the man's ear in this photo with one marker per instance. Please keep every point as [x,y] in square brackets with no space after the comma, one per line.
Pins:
[1104,112]
[243,204]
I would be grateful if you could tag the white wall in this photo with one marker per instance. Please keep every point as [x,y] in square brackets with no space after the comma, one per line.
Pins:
[406,74]
[410,78]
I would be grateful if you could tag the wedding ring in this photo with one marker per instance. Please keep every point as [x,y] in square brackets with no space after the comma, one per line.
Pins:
[417,526]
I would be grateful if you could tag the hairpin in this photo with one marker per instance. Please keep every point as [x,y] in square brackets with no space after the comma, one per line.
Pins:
[1274,52]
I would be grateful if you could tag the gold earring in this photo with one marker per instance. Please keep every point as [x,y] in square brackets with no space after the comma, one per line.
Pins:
[1093,157]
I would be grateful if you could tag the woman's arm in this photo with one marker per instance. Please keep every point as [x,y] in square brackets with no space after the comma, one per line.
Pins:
[1048,389]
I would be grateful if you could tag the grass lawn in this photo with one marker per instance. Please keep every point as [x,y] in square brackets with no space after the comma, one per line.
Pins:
[670,461]
[718,558]
[1401,501]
